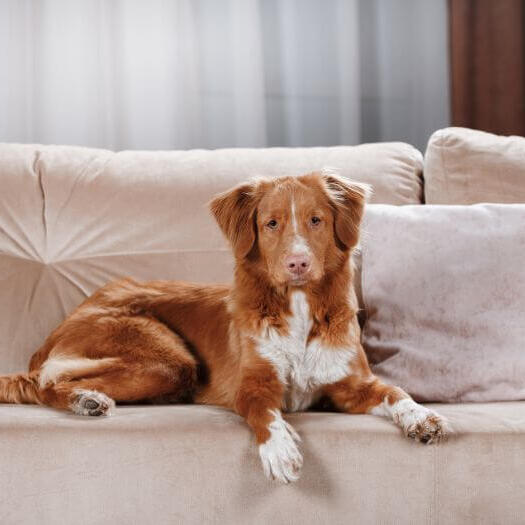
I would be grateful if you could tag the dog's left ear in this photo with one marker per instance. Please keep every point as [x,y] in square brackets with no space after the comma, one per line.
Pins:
[348,200]
[234,211]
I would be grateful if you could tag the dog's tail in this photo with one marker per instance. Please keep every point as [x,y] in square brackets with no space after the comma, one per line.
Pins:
[20,388]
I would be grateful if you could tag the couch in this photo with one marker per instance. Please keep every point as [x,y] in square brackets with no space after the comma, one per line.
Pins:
[72,218]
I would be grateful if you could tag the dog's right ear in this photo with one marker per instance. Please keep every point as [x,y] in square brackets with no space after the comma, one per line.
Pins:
[234,211]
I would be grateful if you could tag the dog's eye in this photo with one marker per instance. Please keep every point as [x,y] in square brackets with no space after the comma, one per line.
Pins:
[315,220]
[272,224]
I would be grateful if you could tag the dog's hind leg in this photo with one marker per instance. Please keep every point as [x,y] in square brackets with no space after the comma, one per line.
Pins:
[138,361]
[96,395]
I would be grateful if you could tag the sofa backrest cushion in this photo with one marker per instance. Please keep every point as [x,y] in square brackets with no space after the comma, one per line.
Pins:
[73,218]
[465,166]
[444,289]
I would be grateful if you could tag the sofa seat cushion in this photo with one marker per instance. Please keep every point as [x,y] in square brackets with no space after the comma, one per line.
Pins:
[198,464]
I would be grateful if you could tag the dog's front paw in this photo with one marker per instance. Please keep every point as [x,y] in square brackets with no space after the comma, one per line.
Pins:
[419,422]
[280,455]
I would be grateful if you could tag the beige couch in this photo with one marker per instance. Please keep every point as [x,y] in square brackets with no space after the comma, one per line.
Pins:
[72,219]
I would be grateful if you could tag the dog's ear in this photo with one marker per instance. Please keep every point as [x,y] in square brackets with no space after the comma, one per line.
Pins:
[347,199]
[234,211]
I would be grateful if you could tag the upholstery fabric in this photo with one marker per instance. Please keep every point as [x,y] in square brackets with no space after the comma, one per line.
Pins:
[73,218]
[465,166]
[444,289]
[199,465]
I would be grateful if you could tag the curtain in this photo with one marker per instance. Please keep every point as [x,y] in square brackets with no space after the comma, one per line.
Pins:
[488,65]
[160,74]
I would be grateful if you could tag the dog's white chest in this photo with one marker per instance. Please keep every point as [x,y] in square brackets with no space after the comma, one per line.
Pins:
[303,367]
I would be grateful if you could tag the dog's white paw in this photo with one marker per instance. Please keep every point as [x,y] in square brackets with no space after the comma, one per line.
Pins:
[418,422]
[91,403]
[280,456]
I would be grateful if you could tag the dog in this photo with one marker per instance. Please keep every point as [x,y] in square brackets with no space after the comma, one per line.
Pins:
[283,337]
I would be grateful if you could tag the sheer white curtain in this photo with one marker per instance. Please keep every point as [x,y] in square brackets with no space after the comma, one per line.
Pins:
[174,74]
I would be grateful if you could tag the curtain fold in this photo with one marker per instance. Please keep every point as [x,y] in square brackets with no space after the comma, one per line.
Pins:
[178,74]
[487,48]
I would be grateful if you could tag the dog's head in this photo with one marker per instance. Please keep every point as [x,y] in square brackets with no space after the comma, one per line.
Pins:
[292,229]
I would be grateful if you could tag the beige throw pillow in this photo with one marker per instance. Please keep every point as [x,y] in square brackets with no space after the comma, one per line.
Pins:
[444,291]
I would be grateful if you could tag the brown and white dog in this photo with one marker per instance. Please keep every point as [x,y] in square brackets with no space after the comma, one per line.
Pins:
[281,338]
